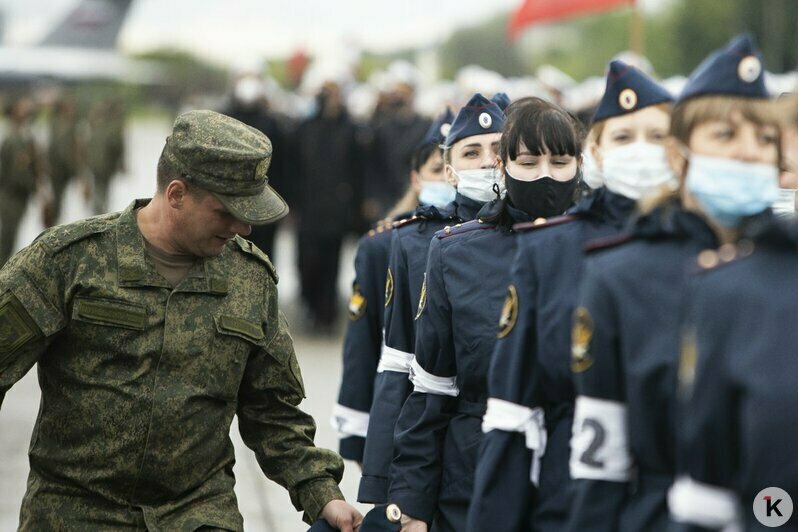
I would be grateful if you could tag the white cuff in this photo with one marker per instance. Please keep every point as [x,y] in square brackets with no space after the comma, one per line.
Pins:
[512,417]
[394,360]
[425,382]
[349,422]
[600,441]
[703,505]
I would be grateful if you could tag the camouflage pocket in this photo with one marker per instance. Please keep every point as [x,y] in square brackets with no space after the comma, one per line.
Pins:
[235,339]
[113,313]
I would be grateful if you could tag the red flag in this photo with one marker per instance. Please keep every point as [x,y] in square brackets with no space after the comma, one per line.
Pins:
[537,11]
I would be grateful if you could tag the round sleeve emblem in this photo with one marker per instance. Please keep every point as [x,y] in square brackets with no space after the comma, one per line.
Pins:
[581,335]
[422,301]
[627,99]
[485,120]
[509,312]
[388,288]
[749,69]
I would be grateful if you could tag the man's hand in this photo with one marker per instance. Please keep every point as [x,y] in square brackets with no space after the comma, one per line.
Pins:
[413,525]
[342,515]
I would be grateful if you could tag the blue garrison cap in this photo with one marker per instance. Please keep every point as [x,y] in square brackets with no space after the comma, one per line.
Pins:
[436,134]
[501,99]
[478,117]
[735,70]
[628,90]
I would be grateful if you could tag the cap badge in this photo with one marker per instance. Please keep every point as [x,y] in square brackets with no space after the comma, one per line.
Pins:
[485,120]
[445,128]
[627,99]
[749,69]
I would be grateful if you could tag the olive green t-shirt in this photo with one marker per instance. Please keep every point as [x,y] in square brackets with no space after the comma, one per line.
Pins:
[172,267]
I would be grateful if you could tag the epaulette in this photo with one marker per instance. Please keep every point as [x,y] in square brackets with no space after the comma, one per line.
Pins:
[62,236]
[540,223]
[407,221]
[380,227]
[608,242]
[254,251]
[459,229]
[712,259]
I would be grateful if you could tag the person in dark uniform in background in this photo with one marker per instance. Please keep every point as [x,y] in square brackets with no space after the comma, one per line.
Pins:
[626,331]
[469,151]
[249,104]
[395,137]
[522,479]
[438,431]
[326,164]
[21,173]
[364,333]
[66,151]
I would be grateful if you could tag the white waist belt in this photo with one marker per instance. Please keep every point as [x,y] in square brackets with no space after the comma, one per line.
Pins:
[394,360]
[425,382]
[512,417]
[349,422]
[704,505]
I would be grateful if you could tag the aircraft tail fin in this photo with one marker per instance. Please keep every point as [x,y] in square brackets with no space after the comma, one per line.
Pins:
[91,24]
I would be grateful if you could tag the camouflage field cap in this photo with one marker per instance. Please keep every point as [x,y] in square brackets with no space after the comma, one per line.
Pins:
[228,159]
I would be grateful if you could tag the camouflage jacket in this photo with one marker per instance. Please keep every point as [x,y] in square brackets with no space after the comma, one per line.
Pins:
[140,382]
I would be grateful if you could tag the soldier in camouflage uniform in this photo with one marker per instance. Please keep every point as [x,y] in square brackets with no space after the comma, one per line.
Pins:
[65,153]
[20,173]
[152,328]
[106,149]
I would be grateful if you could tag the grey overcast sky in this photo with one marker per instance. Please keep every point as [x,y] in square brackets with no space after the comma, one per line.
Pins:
[231,30]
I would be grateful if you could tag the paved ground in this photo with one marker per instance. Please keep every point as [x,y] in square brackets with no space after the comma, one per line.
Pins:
[265,505]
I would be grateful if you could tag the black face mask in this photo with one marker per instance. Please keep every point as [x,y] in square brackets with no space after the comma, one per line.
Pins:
[544,196]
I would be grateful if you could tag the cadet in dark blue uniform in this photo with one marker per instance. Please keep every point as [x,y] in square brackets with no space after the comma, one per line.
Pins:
[363,340]
[438,431]
[738,432]
[626,331]
[472,150]
[530,376]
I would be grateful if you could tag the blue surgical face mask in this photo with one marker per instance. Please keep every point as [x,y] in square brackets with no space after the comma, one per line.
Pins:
[730,190]
[436,193]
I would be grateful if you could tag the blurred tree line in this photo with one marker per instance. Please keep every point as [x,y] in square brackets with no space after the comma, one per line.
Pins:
[676,38]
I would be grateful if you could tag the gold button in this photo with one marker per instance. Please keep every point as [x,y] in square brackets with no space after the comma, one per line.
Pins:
[393,513]
[539,221]
[727,252]
[745,247]
[708,259]
[447,229]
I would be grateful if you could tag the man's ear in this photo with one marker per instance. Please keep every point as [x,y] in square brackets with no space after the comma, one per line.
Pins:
[175,193]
